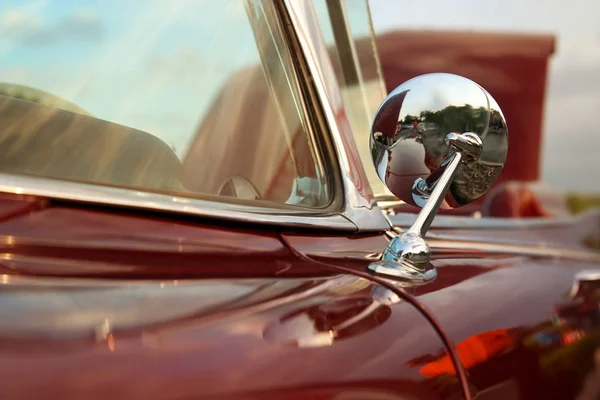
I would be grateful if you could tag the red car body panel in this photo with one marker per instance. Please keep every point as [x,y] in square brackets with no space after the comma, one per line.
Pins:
[500,312]
[241,288]
[507,305]
[207,339]
[156,308]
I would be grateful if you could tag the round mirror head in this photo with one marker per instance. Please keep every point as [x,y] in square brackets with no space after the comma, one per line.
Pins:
[410,132]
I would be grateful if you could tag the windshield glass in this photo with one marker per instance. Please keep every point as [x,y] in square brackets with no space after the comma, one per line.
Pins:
[191,97]
[348,32]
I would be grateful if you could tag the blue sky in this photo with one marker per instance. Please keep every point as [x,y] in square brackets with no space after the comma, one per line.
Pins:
[153,65]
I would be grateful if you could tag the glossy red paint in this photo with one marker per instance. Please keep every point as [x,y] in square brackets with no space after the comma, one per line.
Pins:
[133,315]
[68,241]
[14,205]
[212,339]
[454,364]
[501,313]
[518,296]
[581,234]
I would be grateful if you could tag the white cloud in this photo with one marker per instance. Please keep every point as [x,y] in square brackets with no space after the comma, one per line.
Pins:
[26,26]
[19,20]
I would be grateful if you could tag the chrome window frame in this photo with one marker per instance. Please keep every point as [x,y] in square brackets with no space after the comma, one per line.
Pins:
[405,220]
[359,211]
[360,206]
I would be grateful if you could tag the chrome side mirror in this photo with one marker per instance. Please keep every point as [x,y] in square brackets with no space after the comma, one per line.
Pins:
[437,141]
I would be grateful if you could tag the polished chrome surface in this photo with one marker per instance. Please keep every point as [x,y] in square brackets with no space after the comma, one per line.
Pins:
[407,255]
[585,281]
[469,145]
[444,245]
[447,119]
[408,136]
[455,247]
[576,234]
[405,220]
[348,31]
[96,194]
[323,324]
[359,204]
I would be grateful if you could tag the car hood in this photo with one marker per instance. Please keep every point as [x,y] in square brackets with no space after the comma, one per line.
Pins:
[242,338]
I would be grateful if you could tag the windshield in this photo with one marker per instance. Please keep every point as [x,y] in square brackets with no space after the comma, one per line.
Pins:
[188,97]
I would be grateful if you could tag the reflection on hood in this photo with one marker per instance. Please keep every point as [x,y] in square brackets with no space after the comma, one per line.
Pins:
[471,351]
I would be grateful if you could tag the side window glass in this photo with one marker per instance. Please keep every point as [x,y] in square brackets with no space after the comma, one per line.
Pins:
[191,98]
[348,32]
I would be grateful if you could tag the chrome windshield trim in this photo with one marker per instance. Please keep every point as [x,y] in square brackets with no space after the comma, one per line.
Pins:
[405,220]
[359,203]
[107,195]
[449,246]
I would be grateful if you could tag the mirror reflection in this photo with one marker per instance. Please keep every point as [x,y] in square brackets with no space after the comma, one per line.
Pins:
[409,136]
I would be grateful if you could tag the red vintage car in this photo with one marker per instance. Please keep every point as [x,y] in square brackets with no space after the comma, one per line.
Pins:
[207,200]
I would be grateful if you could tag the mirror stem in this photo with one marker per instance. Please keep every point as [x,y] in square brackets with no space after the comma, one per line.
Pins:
[432,206]
[407,257]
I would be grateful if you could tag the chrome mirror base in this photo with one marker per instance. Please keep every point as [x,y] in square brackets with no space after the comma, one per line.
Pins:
[407,256]
[406,259]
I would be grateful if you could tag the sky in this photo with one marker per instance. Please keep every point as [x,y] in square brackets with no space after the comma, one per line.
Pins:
[571,142]
[159,71]
[150,64]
